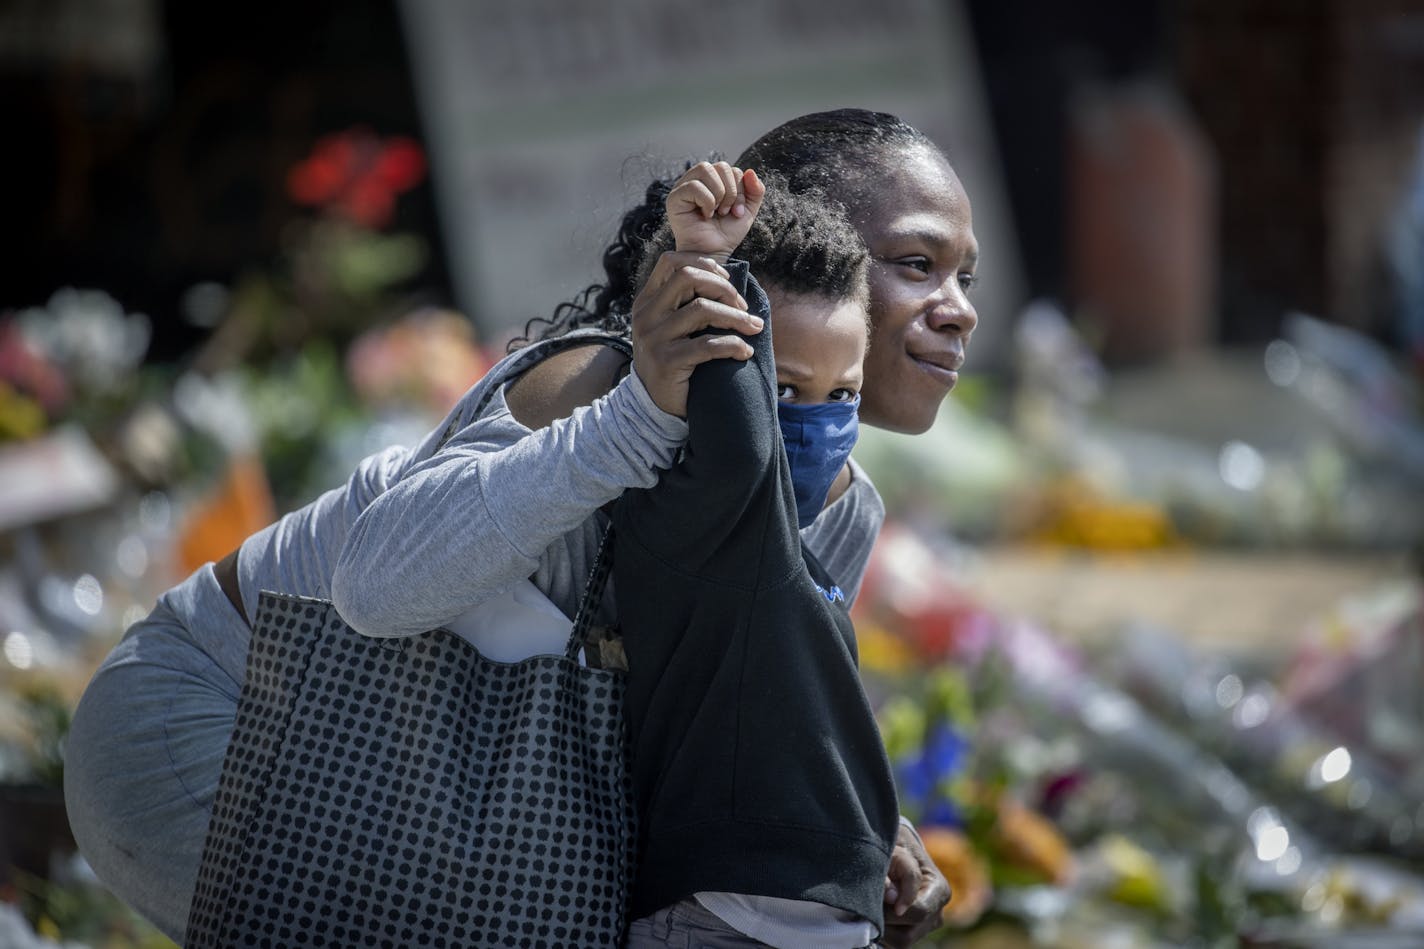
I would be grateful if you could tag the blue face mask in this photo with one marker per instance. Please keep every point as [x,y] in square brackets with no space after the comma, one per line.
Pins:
[818,441]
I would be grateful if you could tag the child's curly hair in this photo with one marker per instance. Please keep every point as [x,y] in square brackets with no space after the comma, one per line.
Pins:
[799,243]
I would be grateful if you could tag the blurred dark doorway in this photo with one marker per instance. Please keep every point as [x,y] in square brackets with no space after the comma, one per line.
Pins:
[158,161]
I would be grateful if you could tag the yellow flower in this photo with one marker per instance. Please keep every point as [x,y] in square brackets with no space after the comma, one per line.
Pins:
[1137,879]
[1028,840]
[20,416]
[881,650]
[966,871]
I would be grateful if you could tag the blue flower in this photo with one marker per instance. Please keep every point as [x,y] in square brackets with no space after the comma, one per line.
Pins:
[923,778]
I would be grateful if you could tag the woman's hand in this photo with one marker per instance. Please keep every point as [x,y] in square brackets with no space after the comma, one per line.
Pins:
[686,294]
[712,206]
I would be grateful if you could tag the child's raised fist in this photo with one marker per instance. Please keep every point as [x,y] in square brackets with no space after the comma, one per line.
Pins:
[712,206]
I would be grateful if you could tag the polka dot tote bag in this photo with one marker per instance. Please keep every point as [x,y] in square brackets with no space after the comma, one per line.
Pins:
[411,792]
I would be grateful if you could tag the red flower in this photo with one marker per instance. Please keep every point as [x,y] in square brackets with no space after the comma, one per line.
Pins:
[357,175]
[25,369]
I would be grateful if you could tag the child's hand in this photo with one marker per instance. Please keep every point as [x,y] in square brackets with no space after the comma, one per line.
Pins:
[712,207]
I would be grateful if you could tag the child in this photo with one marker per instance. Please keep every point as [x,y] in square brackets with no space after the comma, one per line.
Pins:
[763,788]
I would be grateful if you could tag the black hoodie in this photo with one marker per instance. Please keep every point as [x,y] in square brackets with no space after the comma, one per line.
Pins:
[757,764]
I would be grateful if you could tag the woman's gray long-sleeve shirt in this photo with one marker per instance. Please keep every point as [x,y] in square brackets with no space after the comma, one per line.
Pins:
[417,537]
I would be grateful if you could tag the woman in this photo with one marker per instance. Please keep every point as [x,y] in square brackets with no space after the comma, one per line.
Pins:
[418,537]
[911,210]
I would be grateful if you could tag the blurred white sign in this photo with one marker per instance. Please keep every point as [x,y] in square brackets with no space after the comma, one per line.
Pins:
[547,119]
[56,475]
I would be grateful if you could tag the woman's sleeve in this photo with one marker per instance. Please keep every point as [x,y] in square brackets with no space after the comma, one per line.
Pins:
[843,535]
[474,518]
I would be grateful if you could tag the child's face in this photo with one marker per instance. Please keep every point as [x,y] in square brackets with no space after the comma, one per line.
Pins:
[819,345]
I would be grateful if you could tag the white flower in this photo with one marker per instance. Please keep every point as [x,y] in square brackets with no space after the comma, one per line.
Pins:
[88,335]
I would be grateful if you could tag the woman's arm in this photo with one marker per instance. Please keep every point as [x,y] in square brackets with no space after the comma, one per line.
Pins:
[476,516]
[473,518]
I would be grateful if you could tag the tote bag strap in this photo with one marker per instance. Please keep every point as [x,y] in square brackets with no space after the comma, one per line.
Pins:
[530,356]
[592,593]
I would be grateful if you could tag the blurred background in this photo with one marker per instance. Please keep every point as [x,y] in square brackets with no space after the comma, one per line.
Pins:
[1144,626]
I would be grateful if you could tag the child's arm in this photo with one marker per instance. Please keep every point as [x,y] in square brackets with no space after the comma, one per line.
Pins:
[705,513]
[710,209]
[712,513]
[687,313]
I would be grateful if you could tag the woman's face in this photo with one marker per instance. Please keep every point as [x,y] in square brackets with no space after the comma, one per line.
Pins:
[916,222]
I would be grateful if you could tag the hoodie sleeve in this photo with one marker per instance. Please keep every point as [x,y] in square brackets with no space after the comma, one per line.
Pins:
[728,497]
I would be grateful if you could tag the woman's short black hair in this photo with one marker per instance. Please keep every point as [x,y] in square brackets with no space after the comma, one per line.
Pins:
[835,152]
[828,152]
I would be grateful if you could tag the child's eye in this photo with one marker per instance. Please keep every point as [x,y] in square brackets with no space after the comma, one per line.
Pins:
[967,281]
[841,395]
[785,393]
